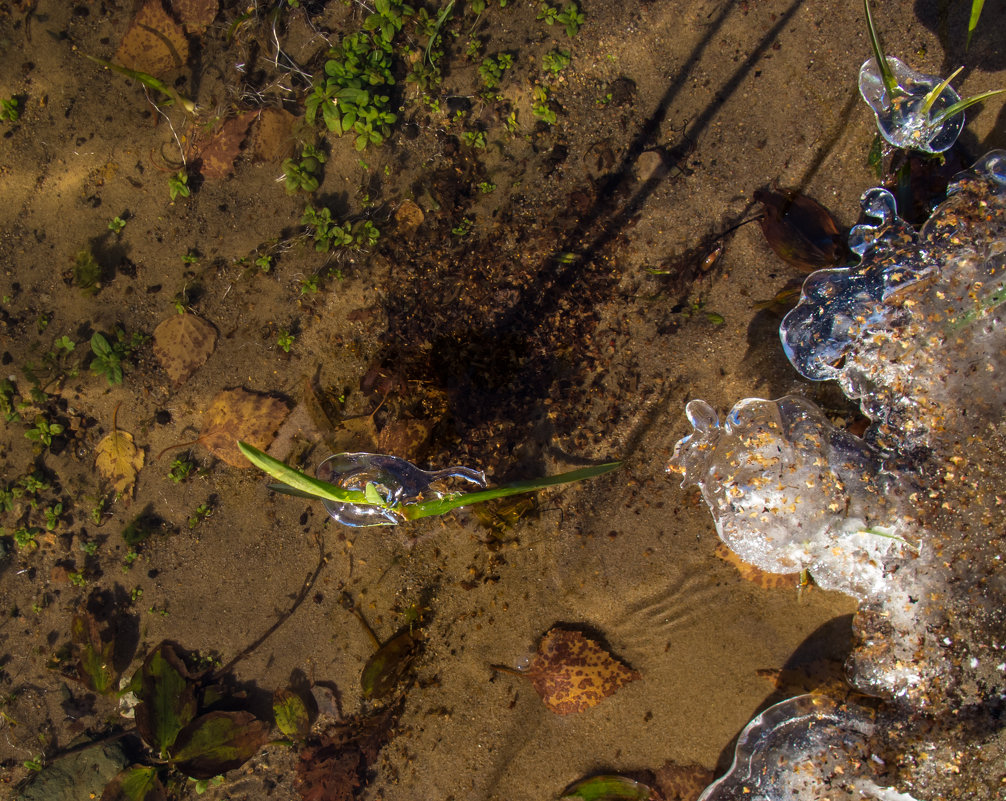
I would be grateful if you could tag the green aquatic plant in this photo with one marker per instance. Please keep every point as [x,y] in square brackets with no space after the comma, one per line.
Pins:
[9,109]
[569,17]
[178,185]
[295,482]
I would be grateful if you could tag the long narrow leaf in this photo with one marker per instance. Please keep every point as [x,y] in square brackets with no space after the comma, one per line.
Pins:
[298,480]
[890,82]
[443,505]
[976,12]
[960,105]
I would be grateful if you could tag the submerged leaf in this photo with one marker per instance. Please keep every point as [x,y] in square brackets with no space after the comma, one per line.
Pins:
[800,230]
[217,742]
[93,656]
[236,414]
[683,782]
[153,42]
[609,788]
[118,459]
[182,343]
[388,664]
[291,713]
[136,783]
[572,673]
[167,698]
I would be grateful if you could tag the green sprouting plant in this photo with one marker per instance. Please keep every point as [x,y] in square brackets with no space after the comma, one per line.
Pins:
[64,343]
[491,70]
[309,285]
[116,225]
[43,431]
[347,97]
[303,174]
[87,272]
[541,107]
[476,139]
[9,109]
[486,187]
[569,17]
[478,6]
[264,262]
[7,405]
[464,227]
[24,537]
[202,512]
[388,18]
[180,469]
[295,482]
[898,94]
[178,185]
[190,258]
[555,60]
[328,233]
[285,340]
[90,547]
[511,124]
[474,47]
[107,360]
[976,12]
[52,514]
[77,578]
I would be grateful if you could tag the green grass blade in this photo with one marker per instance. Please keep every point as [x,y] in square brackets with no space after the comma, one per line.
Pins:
[976,12]
[937,90]
[960,105]
[443,505]
[301,482]
[890,83]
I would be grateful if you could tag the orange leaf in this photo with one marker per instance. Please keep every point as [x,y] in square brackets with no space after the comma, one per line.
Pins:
[238,414]
[572,672]
[222,150]
[153,43]
[182,343]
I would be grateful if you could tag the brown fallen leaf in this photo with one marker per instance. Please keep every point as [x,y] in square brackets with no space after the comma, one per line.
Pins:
[195,15]
[238,414]
[800,230]
[572,673]
[153,43]
[272,138]
[683,782]
[222,149]
[762,578]
[182,343]
[405,437]
[118,459]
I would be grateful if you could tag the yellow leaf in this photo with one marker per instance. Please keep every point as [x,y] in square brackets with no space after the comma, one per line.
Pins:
[119,460]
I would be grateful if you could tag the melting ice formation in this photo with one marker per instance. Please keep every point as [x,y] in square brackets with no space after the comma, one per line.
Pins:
[905,520]
[904,121]
[396,481]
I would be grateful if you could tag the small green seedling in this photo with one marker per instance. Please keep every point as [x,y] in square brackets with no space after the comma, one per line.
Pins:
[9,109]
[107,361]
[476,139]
[180,469]
[541,106]
[178,185]
[190,258]
[486,187]
[555,60]
[116,225]
[491,70]
[295,482]
[264,262]
[202,512]
[148,81]
[285,340]
[43,431]
[569,17]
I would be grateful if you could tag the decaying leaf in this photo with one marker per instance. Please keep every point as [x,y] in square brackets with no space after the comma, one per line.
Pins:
[572,672]
[334,767]
[217,742]
[167,698]
[236,414]
[800,230]
[764,579]
[135,783]
[610,788]
[119,460]
[272,138]
[153,43]
[94,655]
[406,438]
[683,782]
[182,343]
[222,149]
[291,713]
[195,15]
[388,665]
